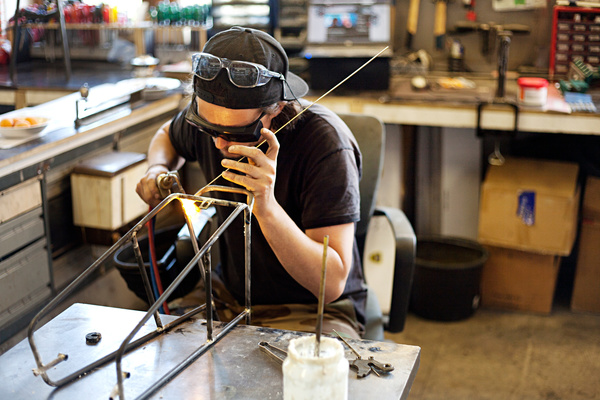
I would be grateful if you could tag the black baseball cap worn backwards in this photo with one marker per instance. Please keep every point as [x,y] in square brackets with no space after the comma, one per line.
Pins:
[246,44]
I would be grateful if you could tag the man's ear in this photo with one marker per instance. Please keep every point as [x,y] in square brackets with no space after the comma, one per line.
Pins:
[280,106]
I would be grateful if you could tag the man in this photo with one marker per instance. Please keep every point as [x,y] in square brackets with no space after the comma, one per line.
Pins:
[304,182]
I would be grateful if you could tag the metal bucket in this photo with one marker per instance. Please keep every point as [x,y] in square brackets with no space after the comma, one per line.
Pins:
[447,278]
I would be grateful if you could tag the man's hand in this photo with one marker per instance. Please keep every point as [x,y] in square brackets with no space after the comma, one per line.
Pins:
[258,174]
[147,188]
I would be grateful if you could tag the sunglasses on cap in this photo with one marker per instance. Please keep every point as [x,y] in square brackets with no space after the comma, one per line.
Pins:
[242,74]
[242,134]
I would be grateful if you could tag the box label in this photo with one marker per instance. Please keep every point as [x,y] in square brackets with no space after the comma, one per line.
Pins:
[526,208]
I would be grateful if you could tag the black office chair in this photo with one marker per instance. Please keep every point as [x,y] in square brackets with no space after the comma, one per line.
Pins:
[370,135]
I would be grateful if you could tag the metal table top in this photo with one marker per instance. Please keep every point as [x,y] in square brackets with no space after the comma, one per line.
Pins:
[234,368]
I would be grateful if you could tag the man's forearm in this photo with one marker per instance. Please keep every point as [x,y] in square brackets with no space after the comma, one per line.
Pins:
[301,255]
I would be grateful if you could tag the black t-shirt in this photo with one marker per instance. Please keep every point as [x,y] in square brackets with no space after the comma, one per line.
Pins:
[318,171]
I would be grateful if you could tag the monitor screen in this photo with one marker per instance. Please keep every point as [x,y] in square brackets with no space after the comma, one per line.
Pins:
[348,23]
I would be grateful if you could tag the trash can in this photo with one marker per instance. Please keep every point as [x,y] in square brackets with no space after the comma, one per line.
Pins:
[172,256]
[446,285]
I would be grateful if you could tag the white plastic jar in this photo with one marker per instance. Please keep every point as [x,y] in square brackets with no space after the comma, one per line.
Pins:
[306,377]
[533,91]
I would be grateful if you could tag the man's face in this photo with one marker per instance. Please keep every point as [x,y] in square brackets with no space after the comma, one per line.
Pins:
[222,116]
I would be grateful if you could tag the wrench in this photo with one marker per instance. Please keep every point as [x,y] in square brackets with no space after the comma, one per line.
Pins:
[364,367]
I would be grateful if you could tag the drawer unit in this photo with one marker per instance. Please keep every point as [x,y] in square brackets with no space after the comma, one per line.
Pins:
[103,190]
[24,282]
[21,231]
[575,36]
[19,199]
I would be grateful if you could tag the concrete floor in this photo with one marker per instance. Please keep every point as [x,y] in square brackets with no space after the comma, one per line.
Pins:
[492,355]
[507,355]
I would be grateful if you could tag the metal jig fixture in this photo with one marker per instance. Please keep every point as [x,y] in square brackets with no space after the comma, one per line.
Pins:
[201,258]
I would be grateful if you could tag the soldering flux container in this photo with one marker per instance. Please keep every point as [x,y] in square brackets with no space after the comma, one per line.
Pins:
[533,91]
[307,377]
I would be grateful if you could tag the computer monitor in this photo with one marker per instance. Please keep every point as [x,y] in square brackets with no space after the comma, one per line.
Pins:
[348,23]
[341,36]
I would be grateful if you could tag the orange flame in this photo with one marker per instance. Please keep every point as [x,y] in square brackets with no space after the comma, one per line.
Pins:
[190,207]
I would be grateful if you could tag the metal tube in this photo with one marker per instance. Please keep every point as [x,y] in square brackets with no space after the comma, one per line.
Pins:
[196,248]
[208,292]
[321,304]
[247,256]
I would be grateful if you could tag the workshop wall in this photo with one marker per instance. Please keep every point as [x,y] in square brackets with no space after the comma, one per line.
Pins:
[530,49]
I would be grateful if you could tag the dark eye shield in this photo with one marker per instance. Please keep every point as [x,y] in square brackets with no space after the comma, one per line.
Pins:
[242,134]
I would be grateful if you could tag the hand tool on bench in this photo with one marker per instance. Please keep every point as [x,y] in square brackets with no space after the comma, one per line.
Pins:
[363,367]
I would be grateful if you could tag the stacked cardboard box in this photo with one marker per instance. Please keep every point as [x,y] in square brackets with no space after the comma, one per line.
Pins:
[586,288]
[527,220]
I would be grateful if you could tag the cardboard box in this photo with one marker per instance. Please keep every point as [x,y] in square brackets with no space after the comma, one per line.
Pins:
[586,287]
[103,190]
[519,280]
[530,205]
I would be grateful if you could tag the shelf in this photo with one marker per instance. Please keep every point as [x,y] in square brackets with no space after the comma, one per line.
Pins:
[148,26]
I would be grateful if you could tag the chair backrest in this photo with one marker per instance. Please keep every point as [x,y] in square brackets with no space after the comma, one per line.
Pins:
[369,132]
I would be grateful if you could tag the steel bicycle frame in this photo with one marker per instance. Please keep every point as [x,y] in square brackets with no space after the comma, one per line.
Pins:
[201,258]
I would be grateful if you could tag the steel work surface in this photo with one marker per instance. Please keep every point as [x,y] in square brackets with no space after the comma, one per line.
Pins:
[234,368]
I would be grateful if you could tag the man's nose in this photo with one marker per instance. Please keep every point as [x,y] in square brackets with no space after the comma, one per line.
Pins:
[221,143]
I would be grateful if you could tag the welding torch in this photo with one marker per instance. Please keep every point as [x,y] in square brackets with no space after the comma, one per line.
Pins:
[169,182]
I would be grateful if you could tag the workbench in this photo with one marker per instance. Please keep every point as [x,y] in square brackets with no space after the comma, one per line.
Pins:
[35,196]
[458,108]
[234,368]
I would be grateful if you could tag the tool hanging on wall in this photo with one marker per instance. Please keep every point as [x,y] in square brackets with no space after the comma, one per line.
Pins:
[439,24]
[412,22]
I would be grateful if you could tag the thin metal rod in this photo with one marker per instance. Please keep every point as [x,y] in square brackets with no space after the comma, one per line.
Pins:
[309,106]
[348,344]
[248,266]
[206,265]
[195,246]
[321,305]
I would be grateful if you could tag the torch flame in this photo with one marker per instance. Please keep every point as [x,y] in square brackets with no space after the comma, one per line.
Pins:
[190,208]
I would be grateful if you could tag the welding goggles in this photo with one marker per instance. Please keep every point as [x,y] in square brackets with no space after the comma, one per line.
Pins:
[242,134]
[242,74]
